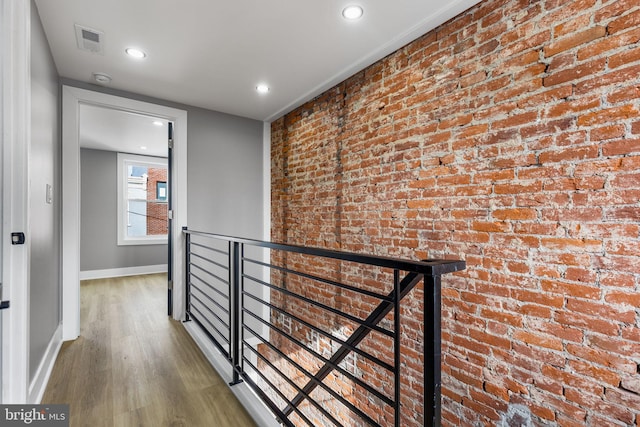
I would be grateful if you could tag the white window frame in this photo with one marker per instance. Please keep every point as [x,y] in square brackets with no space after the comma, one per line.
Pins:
[124,159]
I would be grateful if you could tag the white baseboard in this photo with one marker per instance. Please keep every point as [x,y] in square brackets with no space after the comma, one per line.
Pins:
[252,403]
[41,378]
[121,272]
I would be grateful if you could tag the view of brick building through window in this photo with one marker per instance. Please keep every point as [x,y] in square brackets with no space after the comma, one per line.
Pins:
[157,221]
[147,193]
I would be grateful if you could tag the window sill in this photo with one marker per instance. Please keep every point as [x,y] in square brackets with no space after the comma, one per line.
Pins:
[148,241]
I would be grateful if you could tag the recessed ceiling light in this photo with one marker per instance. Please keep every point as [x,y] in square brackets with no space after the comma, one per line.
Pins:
[352,12]
[143,147]
[135,53]
[262,88]
[157,123]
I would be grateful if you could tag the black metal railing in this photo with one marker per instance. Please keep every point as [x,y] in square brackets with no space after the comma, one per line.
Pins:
[317,333]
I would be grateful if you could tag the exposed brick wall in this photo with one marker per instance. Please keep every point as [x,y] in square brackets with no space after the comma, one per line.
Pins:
[157,219]
[508,137]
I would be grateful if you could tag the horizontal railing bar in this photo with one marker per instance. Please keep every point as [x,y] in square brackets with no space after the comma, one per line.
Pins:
[406,285]
[215,328]
[208,285]
[278,392]
[224,352]
[210,312]
[220,251]
[320,279]
[267,401]
[312,378]
[220,279]
[332,337]
[210,323]
[428,267]
[216,303]
[354,319]
[209,260]
[318,356]
[288,380]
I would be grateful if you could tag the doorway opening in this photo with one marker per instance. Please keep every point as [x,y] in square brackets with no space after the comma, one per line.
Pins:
[124,193]
[74,101]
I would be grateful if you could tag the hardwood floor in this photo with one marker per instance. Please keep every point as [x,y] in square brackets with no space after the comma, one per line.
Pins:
[133,366]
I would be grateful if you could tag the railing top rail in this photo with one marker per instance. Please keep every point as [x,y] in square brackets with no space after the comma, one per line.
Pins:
[430,267]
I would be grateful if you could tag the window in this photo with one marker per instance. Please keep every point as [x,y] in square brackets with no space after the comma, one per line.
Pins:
[161,190]
[142,200]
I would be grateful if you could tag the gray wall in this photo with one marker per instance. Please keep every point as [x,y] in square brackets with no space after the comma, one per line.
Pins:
[225,174]
[225,167]
[99,248]
[45,168]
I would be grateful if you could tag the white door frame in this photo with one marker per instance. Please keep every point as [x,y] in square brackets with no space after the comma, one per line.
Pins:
[72,97]
[15,121]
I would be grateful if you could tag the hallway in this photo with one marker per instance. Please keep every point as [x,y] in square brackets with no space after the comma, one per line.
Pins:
[134,366]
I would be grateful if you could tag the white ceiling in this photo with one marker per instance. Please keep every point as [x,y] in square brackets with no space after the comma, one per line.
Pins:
[115,130]
[212,54]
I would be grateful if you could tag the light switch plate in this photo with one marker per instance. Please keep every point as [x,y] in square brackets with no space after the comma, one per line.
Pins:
[49,194]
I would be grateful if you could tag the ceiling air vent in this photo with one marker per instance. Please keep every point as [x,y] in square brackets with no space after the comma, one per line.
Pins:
[89,39]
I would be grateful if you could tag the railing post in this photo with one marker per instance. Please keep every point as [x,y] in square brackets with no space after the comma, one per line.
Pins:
[432,351]
[235,312]
[187,274]
[241,313]
[231,310]
[397,354]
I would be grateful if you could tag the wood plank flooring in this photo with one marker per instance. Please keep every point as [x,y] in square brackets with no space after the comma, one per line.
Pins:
[133,366]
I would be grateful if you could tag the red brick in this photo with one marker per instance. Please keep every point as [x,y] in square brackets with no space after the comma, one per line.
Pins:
[624,58]
[603,358]
[599,83]
[588,323]
[554,301]
[574,40]
[604,311]
[630,299]
[614,9]
[569,378]
[629,93]
[562,332]
[559,407]
[569,154]
[561,243]
[611,411]
[608,44]
[610,115]
[571,107]
[538,340]
[517,188]
[515,120]
[565,10]
[514,214]
[545,97]
[573,25]
[491,340]
[576,73]
[625,22]
[607,132]
[571,289]
[620,147]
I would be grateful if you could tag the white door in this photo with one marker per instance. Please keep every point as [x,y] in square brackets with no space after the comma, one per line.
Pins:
[15,126]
